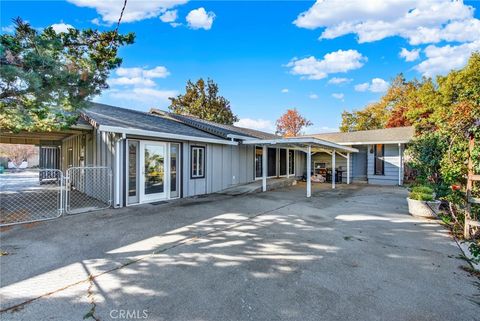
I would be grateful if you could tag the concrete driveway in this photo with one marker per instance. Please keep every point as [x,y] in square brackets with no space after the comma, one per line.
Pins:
[347,254]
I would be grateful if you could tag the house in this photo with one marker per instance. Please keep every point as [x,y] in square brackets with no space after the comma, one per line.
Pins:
[156,155]
[380,157]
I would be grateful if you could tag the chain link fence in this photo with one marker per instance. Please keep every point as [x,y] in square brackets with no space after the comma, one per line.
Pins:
[88,189]
[30,196]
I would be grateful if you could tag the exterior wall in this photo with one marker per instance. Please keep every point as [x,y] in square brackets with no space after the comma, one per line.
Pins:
[225,166]
[300,163]
[393,164]
[358,163]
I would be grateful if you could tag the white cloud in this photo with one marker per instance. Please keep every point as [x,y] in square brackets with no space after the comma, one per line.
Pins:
[338,81]
[8,29]
[169,16]
[419,21]
[338,96]
[313,96]
[110,10]
[133,81]
[157,72]
[377,85]
[200,19]
[440,60]
[334,62]
[285,90]
[61,27]
[411,55]
[150,96]
[258,124]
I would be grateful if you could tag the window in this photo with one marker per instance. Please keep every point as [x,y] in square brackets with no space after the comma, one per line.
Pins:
[272,162]
[283,162]
[70,157]
[291,162]
[258,161]
[174,170]
[198,162]
[379,168]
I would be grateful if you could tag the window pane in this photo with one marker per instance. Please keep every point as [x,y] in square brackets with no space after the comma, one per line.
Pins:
[291,162]
[132,168]
[283,162]
[174,151]
[200,161]
[379,161]
[258,161]
[154,169]
[272,162]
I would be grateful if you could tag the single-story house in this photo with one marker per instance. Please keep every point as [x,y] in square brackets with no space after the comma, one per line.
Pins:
[157,155]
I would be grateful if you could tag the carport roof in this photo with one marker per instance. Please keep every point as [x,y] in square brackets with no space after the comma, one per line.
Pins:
[302,143]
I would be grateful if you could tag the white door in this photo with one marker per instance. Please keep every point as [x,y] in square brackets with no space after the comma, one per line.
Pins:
[153,171]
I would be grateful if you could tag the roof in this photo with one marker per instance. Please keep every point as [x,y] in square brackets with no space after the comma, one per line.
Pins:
[123,120]
[222,130]
[375,136]
[302,142]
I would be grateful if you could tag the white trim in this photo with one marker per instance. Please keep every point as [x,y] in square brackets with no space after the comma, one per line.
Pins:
[348,168]
[149,133]
[148,198]
[117,173]
[264,168]
[300,140]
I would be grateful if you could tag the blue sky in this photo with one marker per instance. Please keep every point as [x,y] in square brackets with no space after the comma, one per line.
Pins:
[321,58]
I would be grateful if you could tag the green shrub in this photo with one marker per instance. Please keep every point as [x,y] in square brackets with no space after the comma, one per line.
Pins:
[421,196]
[422,189]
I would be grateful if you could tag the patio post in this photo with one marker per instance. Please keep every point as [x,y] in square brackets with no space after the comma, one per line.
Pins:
[264,168]
[309,170]
[400,167]
[348,168]
[333,168]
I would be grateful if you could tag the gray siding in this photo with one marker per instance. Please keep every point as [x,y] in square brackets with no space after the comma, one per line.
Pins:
[392,162]
[359,163]
[225,166]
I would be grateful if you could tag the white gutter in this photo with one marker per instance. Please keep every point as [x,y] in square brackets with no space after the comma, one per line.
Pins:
[301,140]
[376,142]
[233,136]
[149,133]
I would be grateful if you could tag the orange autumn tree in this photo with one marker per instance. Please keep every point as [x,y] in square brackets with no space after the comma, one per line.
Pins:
[291,123]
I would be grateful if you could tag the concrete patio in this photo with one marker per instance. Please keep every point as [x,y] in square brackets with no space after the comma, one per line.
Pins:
[352,253]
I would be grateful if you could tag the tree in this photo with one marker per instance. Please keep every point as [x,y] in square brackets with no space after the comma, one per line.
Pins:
[46,76]
[291,123]
[17,152]
[202,100]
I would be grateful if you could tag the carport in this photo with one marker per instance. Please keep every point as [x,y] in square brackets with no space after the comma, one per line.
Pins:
[308,145]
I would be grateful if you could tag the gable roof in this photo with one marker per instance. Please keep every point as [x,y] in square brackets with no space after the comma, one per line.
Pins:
[221,130]
[129,121]
[376,136]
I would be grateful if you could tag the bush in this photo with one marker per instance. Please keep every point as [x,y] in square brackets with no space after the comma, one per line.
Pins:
[422,189]
[421,196]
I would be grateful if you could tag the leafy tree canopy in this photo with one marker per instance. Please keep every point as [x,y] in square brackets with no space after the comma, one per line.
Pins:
[46,76]
[291,123]
[201,99]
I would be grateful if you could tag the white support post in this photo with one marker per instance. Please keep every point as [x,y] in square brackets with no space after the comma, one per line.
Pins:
[116,181]
[309,171]
[400,167]
[348,168]
[333,169]
[264,168]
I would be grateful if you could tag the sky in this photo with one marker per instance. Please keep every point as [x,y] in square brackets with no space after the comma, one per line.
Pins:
[319,57]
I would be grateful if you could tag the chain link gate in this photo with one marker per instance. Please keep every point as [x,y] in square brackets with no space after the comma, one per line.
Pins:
[34,195]
[88,189]
[30,195]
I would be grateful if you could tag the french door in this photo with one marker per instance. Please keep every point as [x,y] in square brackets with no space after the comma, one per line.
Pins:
[153,171]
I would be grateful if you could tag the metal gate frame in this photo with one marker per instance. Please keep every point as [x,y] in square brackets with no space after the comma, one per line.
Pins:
[68,190]
[46,174]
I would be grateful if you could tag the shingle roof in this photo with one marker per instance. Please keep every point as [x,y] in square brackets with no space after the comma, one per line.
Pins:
[100,114]
[386,135]
[215,128]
